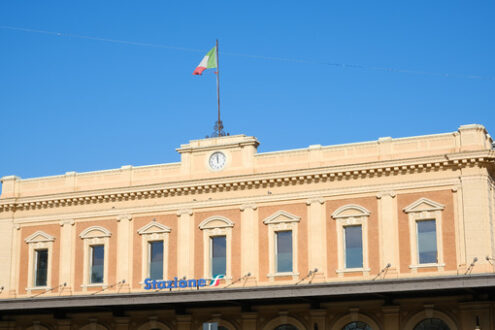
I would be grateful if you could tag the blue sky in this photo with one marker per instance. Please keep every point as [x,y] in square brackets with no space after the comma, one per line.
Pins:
[69,103]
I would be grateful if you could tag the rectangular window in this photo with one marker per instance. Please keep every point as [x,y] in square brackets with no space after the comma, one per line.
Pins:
[156,260]
[427,241]
[284,251]
[218,255]
[41,267]
[353,239]
[97,263]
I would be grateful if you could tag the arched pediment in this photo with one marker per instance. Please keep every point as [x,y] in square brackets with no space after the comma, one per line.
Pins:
[153,228]
[350,211]
[95,232]
[423,204]
[39,237]
[216,222]
[281,217]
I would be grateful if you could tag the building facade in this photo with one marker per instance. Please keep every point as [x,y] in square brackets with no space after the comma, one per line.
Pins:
[389,234]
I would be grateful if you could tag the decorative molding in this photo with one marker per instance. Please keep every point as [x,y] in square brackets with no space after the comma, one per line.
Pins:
[153,228]
[350,211]
[429,205]
[95,232]
[386,193]
[216,222]
[330,173]
[39,237]
[67,222]
[315,200]
[281,217]
[127,217]
[184,211]
[252,206]
[427,185]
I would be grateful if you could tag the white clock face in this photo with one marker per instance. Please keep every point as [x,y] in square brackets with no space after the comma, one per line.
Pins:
[217,160]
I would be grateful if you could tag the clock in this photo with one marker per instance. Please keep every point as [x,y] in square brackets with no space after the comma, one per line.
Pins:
[217,160]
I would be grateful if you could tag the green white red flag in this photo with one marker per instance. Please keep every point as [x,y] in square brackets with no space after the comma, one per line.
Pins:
[208,62]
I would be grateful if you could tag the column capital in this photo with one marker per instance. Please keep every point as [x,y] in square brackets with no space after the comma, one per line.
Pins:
[183,319]
[64,222]
[251,206]
[249,315]
[318,312]
[127,217]
[184,211]
[315,200]
[385,193]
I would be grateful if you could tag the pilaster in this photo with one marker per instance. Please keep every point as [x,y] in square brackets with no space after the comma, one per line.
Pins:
[124,250]
[249,320]
[477,227]
[317,242]
[185,243]
[249,242]
[64,324]
[184,322]
[66,254]
[318,317]
[388,231]
[121,323]
[14,269]
[391,317]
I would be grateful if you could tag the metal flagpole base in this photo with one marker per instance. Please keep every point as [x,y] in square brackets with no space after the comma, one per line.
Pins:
[218,129]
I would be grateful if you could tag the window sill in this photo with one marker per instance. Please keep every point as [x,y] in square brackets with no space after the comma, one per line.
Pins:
[38,288]
[353,270]
[283,274]
[426,265]
[95,285]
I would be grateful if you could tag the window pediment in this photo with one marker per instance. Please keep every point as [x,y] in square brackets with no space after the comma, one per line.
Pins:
[39,237]
[216,222]
[424,204]
[281,217]
[350,211]
[95,232]
[153,228]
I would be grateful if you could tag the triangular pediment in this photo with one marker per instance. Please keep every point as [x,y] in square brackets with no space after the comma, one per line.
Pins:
[38,237]
[281,217]
[153,228]
[95,232]
[424,204]
[350,211]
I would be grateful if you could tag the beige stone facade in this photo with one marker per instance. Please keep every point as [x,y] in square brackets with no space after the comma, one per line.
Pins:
[385,187]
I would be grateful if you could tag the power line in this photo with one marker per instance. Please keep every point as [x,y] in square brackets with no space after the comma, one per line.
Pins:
[269,58]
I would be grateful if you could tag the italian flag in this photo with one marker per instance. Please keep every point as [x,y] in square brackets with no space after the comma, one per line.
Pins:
[208,62]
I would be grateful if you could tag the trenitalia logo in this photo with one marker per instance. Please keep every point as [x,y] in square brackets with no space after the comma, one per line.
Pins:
[216,280]
[150,284]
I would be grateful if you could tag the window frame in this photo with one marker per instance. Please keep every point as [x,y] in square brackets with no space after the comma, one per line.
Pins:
[282,221]
[35,271]
[92,236]
[421,210]
[91,260]
[346,216]
[211,238]
[345,245]
[276,250]
[153,232]
[39,241]
[211,227]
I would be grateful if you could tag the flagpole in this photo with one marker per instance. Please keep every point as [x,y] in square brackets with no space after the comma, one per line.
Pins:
[219,122]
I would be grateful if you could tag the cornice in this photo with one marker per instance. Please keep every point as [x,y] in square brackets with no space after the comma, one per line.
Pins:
[190,206]
[254,181]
